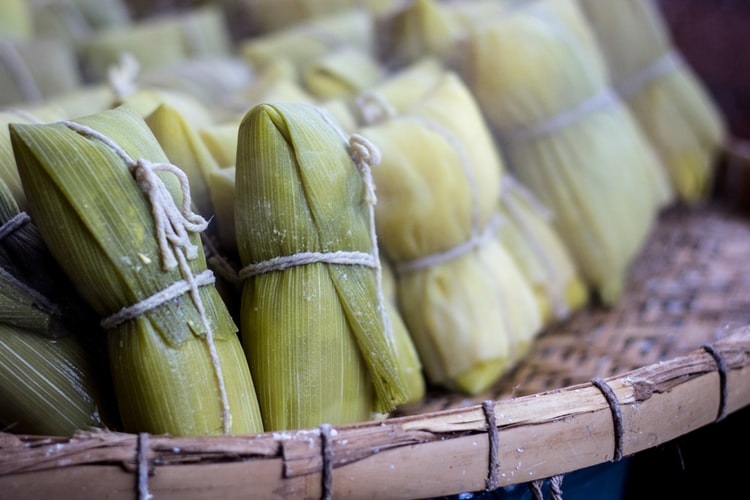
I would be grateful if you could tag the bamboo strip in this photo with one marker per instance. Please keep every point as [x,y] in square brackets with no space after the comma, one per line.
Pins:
[418,456]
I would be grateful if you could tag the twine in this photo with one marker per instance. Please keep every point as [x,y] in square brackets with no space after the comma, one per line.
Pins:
[555,486]
[14,223]
[122,75]
[176,289]
[605,98]
[477,237]
[662,66]
[173,227]
[143,467]
[492,482]
[554,286]
[721,367]
[614,407]
[326,451]
[20,72]
[374,108]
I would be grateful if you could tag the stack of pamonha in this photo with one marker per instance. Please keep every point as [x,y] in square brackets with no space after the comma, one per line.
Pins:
[321,219]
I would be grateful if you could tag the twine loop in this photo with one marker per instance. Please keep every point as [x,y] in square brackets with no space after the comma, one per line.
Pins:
[721,367]
[14,223]
[614,406]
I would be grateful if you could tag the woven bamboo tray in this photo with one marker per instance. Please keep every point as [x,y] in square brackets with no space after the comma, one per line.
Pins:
[671,357]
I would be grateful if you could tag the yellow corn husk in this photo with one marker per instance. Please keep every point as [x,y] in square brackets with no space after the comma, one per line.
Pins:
[568,137]
[221,141]
[666,97]
[422,28]
[26,114]
[76,20]
[540,253]
[16,21]
[221,186]
[184,147]
[315,334]
[304,42]
[341,112]
[86,100]
[204,31]
[36,69]
[409,364]
[342,73]
[471,315]
[146,100]
[178,367]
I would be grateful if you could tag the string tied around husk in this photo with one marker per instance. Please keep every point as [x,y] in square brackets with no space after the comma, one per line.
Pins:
[172,225]
[668,62]
[122,75]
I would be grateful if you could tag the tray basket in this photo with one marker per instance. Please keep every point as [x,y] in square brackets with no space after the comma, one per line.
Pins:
[671,357]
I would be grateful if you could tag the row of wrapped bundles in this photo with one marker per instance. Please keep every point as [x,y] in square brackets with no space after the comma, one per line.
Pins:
[329,212]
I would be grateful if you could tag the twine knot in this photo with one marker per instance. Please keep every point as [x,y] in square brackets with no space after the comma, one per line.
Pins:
[173,224]
[365,156]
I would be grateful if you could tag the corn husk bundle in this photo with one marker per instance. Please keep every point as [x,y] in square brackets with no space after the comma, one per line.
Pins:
[76,20]
[567,136]
[198,33]
[313,317]
[307,41]
[342,73]
[664,94]
[211,79]
[47,381]
[468,308]
[177,364]
[28,114]
[539,252]
[36,69]
[16,21]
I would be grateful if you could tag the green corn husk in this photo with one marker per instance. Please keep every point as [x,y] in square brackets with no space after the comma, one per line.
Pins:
[342,73]
[472,316]
[27,114]
[663,92]
[99,226]
[36,69]
[204,31]
[76,20]
[540,253]
[567,137]
[47,387]
[315,334]
[16,21]
[184,147]
[146,100]
[47,382]
[305,42]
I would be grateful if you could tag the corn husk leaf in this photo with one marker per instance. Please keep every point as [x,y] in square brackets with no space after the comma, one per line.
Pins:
[221,186]
[568,138]
[47,385]
[184,147]
[76,20]
[16,21]
[472,316]
[306,41]
[221,141]
[314,333]
[342,73]
[98,225]
[26,114]
[669,101]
